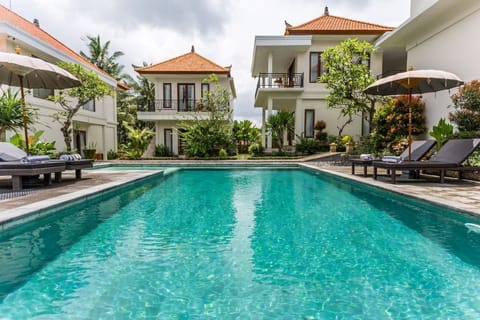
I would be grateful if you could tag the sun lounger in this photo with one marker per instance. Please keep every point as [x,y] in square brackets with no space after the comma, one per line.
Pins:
[450,156]
[9,152]
[19,170]
[419,149]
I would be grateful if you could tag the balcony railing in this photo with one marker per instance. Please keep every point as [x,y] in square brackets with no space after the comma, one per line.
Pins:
[180,106]
[177,105]
[280,80]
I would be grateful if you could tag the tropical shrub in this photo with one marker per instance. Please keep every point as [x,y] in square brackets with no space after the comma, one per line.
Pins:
[306,145]
[244,134]
[222,153]
[319,134]
[11,116]
[35,145]
[441,132]
[467,107]
[138,140]
[255,149]
[278,124]
[162,151]
[112,155]
[390,122]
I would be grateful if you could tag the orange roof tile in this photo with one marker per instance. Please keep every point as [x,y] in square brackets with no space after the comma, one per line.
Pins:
[29,27]
[328,24]
[189,63]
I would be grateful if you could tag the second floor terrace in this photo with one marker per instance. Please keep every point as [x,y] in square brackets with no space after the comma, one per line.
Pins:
[280,80]
[176,105]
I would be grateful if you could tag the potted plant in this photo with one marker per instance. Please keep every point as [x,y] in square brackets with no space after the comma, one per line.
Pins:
[90,150]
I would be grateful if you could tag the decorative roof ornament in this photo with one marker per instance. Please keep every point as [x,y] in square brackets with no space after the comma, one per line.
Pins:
[193,49]
[325,12]
[287,25]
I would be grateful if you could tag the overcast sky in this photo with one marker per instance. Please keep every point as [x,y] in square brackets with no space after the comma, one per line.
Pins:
[221,30]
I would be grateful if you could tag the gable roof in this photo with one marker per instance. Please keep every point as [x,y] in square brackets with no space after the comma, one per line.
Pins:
[189,63]
[35,31]
[328,24]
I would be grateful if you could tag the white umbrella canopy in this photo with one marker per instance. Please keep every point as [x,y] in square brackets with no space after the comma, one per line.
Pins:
[413,82]
[28,72]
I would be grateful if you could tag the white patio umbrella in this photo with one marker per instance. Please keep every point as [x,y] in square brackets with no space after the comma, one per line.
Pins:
[413,82]
[28,72]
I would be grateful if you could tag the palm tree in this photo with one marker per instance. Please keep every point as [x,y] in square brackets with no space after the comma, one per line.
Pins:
[245,133]
[11,117]
[279,123]
[99,56]
[144,90]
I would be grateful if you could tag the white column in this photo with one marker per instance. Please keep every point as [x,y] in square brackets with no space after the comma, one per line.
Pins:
[270,68]
[299,115]
[264,124]
[269,113]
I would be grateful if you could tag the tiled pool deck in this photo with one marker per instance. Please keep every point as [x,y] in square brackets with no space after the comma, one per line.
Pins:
[462,195]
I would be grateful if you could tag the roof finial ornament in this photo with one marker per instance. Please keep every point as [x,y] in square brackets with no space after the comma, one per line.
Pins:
[325,13]
[193,49]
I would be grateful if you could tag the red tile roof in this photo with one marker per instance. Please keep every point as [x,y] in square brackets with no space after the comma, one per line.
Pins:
[14,19]
[189,63]
[328,24]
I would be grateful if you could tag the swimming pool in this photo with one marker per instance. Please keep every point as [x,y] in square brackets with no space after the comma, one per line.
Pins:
[243,244]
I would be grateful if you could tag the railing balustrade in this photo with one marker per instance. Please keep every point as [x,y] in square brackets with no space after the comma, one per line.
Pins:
[179,106]
[280,80]
[176,105]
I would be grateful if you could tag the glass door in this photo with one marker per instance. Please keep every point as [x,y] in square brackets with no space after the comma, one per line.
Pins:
[186,97]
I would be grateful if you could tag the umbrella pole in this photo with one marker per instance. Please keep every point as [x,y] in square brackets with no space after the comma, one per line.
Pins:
[24,114]
[410,125]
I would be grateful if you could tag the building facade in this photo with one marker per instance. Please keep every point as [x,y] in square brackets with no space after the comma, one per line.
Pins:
[96,123]
[287,68]
[180,84]
[439,34]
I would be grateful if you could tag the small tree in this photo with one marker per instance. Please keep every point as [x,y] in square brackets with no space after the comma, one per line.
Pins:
[205,137]
[92,88]
[278,124]
[467,107]
[347,75]
[391,121]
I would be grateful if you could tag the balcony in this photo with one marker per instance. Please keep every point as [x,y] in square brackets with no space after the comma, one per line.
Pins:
[280,80]
[177,106]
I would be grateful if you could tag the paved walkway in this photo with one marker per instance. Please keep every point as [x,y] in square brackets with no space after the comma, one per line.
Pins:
[462,195]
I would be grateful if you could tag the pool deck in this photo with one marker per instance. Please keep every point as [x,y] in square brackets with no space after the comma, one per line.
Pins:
[462,195]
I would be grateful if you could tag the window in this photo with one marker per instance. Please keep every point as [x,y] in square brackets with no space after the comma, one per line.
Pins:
[186,97]
[316,66]
[42,93]
[90,106]
[168,139]
[167,95]
[205,89]
[309,123]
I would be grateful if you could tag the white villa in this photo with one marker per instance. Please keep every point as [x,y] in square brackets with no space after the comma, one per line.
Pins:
[440,34]
[96,123]
[179,88]
[287,67]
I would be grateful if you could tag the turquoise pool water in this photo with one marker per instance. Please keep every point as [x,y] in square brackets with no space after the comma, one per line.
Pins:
[243,244]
